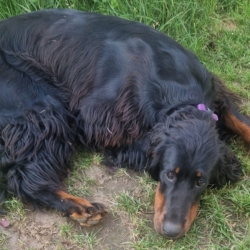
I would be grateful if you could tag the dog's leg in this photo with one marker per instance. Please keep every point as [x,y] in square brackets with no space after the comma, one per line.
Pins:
[40,183]
[229,116]
[237,123]
[34,158]
[132,156]
[86,213]
[78,209]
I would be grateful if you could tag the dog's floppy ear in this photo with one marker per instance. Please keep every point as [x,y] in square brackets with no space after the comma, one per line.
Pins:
[153,164]
[227,169]
[158,139]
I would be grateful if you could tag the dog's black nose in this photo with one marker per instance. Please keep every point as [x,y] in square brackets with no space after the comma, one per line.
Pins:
[171,230]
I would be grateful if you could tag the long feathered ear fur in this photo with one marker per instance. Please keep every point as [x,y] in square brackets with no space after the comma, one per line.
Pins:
[227,169]
[157,145]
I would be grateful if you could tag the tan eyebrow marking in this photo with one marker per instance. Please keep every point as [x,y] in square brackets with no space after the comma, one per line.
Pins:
[198,174]
[177,170]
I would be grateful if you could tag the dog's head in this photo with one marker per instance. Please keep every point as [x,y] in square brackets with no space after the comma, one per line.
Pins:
[184,156]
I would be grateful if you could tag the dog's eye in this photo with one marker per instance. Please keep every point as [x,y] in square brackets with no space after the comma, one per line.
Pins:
[199,182]
[170,175]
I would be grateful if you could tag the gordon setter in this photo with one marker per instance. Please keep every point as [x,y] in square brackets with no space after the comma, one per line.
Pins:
[119,87]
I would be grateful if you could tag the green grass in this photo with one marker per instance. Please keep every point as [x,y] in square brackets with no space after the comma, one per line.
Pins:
[87,240]
[82,161]
[3,239]
[218,32]
[130,204]
[14,204]
[65,230]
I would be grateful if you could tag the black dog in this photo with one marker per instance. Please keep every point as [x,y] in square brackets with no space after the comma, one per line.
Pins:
[116,86]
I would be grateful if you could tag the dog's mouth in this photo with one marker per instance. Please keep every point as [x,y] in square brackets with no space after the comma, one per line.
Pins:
[169,228]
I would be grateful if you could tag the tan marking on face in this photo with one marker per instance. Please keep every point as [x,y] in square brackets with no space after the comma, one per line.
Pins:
[159,209]
[198,174]
[177,170]
[191,216]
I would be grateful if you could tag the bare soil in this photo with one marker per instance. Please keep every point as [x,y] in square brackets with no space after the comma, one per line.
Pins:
[42,229]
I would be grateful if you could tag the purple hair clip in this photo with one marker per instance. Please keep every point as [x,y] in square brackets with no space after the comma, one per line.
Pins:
[203,107]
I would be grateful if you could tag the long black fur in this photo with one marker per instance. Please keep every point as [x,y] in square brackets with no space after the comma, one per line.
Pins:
[111,84]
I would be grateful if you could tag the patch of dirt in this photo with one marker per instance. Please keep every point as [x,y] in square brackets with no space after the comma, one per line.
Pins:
[38,231]
[228,25]
[43,229]
[114,232]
